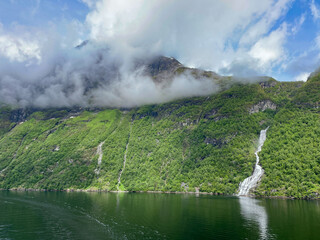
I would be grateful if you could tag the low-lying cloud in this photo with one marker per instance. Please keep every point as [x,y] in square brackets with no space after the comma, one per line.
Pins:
[90,76]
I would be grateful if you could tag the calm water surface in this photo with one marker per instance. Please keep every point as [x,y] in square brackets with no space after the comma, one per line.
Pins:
[59,215]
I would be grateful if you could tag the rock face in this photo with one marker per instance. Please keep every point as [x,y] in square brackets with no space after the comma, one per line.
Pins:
[268,84]
[162,65]
[81,45]
[20,115]
[162,68]
[184,186]
[262,106]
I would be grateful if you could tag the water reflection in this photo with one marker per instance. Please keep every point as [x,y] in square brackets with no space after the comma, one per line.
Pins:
[252,211]
[59,215]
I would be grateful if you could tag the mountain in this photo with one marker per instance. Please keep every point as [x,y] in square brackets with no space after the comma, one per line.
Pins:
[199,144]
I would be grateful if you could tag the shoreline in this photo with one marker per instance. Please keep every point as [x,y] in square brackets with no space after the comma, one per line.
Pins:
[163,192]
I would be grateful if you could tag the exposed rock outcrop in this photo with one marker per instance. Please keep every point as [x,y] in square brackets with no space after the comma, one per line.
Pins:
[20,115]
[268,84]
[185,186]
[262,106]
[162,67]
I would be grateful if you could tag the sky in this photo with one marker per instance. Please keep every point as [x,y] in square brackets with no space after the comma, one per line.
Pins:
[278,38]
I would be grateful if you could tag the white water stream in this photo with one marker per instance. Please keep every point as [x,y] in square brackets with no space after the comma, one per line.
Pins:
[252,181]
[124,164]
[125,157]
[100,153]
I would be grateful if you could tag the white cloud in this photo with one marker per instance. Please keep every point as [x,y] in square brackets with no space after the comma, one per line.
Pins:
[302,76]
[269,49]
[298,24]
[317,41]
[199,35]
[272,13]
[314,10]
[18,49]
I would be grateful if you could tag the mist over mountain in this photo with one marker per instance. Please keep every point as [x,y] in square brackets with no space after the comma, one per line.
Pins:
[91,75]
[98,77]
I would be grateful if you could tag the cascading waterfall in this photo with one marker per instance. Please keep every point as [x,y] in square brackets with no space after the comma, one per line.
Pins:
[252,181]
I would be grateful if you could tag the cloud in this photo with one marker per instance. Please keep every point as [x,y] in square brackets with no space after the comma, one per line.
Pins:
[317,41]
[41,67]
[16,48]
[200,35]
[272,13]
[263,55]
[137,90]
[44,69]
[269,49]
[302,76]
[299,65]
[298,24]
[91,76]
[314,10]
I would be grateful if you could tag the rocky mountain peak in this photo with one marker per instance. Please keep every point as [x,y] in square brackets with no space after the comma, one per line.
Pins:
[162,65]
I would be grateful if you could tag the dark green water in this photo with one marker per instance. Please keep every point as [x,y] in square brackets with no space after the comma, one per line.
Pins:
[58,215]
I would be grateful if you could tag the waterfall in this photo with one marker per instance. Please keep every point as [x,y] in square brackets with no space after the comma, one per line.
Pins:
[252,181]
[125,157]
[100,153]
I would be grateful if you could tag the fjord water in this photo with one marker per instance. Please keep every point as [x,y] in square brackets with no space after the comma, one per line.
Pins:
[60,215]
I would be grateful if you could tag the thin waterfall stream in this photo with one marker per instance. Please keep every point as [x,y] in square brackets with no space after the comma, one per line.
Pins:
[253,180]
[100,153]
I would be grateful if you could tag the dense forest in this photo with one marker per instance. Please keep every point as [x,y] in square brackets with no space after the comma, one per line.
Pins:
[200,144]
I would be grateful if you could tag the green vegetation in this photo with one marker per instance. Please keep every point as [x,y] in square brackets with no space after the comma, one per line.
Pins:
[201,144]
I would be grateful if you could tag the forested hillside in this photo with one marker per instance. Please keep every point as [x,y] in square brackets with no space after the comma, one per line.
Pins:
[204,144]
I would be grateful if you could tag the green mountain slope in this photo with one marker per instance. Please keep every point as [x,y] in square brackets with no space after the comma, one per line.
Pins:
[204,144]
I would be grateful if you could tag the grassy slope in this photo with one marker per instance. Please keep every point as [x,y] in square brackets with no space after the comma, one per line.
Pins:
[204,143]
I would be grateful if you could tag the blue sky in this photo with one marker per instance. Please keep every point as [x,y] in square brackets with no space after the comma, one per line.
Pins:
[239,37]
[39,13]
